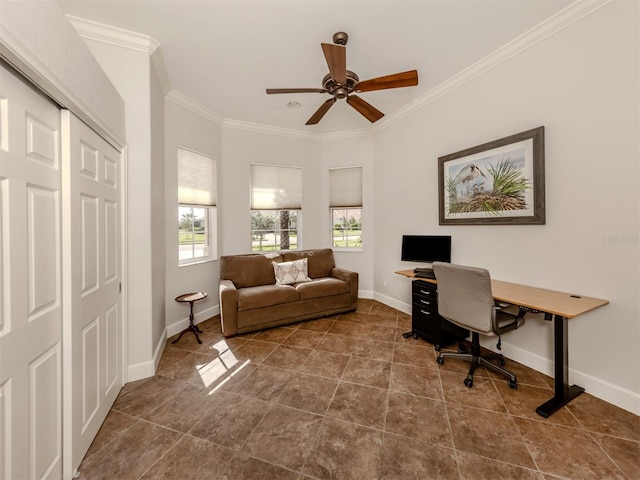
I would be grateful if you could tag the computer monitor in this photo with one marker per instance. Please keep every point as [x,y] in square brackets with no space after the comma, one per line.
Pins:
[426,248]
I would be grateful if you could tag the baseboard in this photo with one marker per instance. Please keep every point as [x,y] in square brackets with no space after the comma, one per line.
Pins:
[597,387]
[199,317]
[141,370]
[365,294]
[392,302]
[148,369]
[157,353]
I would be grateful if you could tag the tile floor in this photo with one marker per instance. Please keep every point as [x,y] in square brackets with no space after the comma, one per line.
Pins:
[348,397]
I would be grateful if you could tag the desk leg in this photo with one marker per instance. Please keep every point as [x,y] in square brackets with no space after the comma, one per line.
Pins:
[563,392]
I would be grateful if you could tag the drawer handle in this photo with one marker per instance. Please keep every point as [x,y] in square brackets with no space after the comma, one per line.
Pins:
[425,313]
[425,292]
[425,302]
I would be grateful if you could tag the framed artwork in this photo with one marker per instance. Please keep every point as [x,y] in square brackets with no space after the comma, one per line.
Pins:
[499,182]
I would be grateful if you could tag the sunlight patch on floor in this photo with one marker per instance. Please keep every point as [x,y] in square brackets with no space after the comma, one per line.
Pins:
[219,371]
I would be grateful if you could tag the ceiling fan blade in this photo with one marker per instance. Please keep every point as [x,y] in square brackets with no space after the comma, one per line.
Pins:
[296,90]
[370,112]
[324,108]
[396,80]
[336,56]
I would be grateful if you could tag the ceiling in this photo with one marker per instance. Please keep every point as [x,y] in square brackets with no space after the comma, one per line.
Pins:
[222,54]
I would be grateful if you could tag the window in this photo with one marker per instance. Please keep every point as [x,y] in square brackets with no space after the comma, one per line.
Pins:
[345,202]
[276,201]
[196,207]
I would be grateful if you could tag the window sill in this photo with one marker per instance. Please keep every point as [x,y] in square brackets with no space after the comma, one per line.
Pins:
[345,249]
[198,262]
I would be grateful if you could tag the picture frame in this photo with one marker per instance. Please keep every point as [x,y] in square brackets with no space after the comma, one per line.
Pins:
[497,183]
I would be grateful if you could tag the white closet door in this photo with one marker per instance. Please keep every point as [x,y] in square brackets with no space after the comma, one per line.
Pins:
[93,302]
[31,283]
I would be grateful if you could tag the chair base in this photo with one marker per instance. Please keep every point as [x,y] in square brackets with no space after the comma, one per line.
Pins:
[480,360]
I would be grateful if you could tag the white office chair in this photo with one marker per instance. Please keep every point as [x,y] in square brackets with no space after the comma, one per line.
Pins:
[465,298]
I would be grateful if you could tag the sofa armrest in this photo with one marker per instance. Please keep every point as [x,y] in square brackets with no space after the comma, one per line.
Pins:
[228,308]
[352,279]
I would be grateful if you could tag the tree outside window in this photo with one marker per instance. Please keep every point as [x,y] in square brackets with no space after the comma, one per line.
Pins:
[193,233]
[347,227]
[274,230]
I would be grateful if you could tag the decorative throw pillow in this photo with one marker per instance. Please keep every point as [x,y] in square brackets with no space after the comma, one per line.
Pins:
[291,272]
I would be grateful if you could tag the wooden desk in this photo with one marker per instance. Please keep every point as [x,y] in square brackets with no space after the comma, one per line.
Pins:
[558,306]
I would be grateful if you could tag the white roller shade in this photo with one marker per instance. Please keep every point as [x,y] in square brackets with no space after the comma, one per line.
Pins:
[276,187]
[345,187]
[196,179]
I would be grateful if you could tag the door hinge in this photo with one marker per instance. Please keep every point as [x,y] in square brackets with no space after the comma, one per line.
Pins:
[120,287]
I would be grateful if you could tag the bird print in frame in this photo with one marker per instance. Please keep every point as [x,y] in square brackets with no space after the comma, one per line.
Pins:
[499,182]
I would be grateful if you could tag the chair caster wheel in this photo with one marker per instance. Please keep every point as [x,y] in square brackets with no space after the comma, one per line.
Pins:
[415,336]
[437,347]
[468,382]
[513,384]
[440,360]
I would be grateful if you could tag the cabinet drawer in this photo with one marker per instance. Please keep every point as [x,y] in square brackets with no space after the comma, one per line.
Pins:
[425,303]
[424,289]
[425,320]
[425,295]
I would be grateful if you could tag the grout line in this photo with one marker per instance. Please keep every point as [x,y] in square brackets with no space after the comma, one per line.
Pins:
[396,344]
[164,454]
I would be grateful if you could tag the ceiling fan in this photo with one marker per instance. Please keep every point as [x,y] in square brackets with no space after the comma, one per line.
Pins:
[342,83]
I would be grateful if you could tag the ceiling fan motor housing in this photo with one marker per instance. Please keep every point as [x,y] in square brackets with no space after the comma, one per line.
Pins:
[335,89]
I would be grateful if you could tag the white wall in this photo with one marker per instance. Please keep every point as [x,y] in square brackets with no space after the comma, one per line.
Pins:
[345,153]
[37,37]
[582,85]
[158,212]
[185,128]
[240,148]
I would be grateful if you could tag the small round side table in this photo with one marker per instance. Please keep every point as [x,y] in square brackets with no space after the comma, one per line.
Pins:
[191,298]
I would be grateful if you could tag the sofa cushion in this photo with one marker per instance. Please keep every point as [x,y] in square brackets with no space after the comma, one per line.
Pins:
[266,296]
[287,273]
[321,261]
[322,287]
[248,270]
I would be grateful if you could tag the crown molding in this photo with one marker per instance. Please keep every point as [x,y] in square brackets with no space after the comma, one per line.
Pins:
[566,17]
[346,134]
[268,129]
[143,43]
[187,103]
[549,27]
[117,37]
[293,133]
[22,59]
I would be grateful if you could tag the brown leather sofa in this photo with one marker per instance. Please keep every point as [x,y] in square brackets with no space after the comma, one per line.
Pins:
[251,300]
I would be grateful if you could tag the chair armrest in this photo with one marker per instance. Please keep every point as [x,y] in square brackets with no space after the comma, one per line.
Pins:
[505,318]
[352,279]
[228,294]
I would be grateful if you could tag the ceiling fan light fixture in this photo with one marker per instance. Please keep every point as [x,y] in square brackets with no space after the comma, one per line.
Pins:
[294,104]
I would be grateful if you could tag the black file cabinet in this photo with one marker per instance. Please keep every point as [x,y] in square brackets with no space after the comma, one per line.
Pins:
[425,320]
